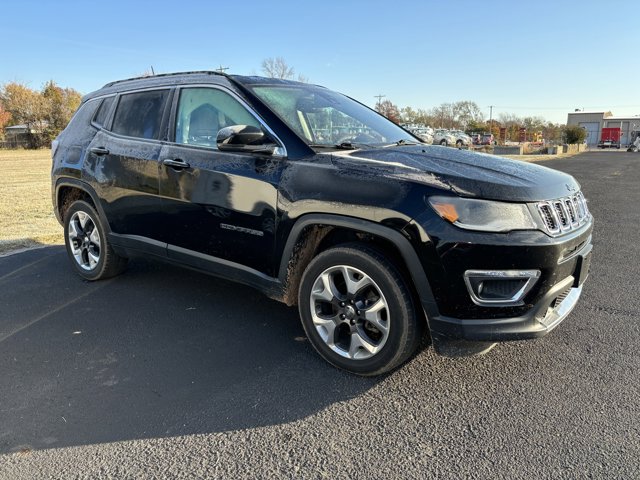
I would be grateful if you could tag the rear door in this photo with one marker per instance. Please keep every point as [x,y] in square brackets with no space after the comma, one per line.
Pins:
[216,204]
[123,163]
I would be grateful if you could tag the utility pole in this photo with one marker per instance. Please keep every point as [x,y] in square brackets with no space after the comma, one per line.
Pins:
[491,119]
[379,97]
[222,69]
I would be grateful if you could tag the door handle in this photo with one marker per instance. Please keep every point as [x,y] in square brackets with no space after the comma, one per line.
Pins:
[99,151]
[175,163]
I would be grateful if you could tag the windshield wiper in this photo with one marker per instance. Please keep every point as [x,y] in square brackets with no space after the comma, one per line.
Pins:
[402,141]
[339,146]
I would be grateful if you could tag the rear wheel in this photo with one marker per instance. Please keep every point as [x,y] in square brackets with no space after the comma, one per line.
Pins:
[459,143]
[87,245]
[357,310]
[443,142]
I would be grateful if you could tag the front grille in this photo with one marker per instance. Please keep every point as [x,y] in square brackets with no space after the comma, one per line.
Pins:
[564,214]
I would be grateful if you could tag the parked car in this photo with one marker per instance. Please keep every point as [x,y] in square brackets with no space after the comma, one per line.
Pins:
[462,139]
[488,139]
[376,237]
[476,138]
[423,132]
[444,137]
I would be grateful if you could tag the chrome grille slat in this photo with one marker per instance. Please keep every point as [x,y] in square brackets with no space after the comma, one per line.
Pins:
[548,217]
[563,214]
[573,217]
[576,204]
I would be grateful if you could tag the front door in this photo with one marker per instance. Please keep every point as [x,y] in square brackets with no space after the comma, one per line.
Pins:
[217,205]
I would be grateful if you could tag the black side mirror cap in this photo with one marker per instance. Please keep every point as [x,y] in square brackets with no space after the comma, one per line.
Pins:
[245,138]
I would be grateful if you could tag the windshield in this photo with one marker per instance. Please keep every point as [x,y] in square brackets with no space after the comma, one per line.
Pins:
[326,118]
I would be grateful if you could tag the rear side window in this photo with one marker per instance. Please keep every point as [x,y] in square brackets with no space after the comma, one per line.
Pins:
[140,114]
[101,114]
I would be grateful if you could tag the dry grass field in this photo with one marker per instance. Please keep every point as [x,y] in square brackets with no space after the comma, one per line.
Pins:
[26,213]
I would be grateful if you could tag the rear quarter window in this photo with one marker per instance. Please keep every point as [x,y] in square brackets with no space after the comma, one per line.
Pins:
[79,131]
[140,114]
[101,115]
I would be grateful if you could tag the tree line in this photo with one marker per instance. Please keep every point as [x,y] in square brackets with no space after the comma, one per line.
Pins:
[463,115]
[45,112]
[466,115]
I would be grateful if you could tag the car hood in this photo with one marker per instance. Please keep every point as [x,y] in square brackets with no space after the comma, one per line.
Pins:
[466,173]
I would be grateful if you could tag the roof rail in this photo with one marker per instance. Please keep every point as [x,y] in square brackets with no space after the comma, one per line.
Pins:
[206,72]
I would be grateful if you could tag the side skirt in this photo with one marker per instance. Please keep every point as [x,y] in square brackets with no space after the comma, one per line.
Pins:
[134,245]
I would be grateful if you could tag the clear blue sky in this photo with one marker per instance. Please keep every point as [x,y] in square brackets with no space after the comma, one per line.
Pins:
[530,58]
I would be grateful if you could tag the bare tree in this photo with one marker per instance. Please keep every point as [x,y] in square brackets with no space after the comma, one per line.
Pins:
[277,68]
[467,112]
[389,110]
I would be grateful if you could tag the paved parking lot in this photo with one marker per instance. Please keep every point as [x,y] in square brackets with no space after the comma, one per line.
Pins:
[165,372]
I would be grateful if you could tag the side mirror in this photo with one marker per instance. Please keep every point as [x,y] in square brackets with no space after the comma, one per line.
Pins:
[245,138]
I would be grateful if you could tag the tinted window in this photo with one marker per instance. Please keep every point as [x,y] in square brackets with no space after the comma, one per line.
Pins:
[140,114]
[204,111]
[101,114]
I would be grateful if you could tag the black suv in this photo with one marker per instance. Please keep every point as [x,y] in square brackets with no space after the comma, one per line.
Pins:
[316,200]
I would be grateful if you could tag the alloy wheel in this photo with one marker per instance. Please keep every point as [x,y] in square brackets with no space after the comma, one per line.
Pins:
[349,312]
[84,240]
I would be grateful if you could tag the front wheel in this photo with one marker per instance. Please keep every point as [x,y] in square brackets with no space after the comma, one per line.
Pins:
[87,245]
[443,143]
[357,310]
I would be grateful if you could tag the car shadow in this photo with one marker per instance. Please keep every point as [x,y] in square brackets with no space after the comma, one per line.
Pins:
[158,351]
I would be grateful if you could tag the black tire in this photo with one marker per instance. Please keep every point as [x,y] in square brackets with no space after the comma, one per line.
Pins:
[108,263]
[444,143]
[459,143]
[404,325]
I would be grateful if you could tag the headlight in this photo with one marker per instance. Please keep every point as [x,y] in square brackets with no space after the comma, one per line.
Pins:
[483,215]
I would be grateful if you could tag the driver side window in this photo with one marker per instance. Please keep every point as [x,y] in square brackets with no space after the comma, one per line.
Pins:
[202,112]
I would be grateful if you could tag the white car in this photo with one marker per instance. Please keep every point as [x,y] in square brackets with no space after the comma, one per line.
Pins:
[462,139]
[444,137]
[423,133]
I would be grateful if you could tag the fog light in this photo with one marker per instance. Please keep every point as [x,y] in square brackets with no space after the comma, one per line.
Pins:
[499,288]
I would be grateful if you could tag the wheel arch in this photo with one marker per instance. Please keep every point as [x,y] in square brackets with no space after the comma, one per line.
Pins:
[68,190]
[313,233]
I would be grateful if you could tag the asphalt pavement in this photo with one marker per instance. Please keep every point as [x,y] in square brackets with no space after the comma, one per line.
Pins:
[167,373]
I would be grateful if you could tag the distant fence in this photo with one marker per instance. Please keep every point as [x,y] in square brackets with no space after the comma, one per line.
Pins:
[16,144]
[27,140]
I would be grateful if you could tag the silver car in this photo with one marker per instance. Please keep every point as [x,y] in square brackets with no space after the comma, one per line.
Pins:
[423,132]
[462,139]
[444,137]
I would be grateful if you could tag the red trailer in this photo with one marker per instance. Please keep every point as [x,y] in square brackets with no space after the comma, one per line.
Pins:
[610,138]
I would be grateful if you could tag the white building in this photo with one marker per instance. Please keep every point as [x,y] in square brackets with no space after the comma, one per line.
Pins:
[594,122]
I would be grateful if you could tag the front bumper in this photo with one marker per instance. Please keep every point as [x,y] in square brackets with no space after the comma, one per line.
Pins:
[550,311]
[563,263]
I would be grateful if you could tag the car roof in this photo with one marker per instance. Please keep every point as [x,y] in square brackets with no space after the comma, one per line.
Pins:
[184,78]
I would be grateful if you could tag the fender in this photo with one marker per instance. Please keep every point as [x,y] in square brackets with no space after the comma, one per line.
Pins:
[85,187]
[403,245]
